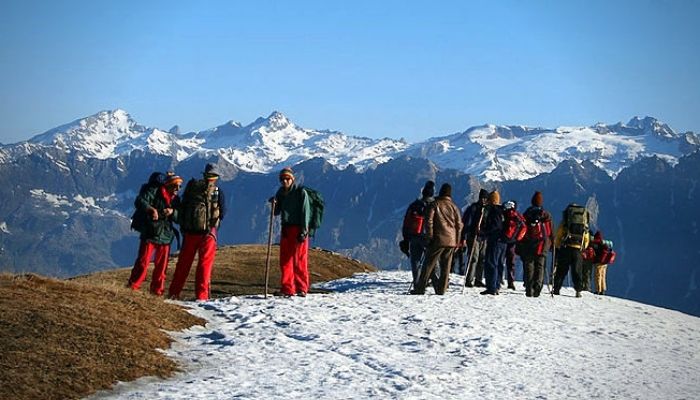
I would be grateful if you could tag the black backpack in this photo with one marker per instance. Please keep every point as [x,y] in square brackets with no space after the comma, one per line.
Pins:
[139,219]
[414,218]
[200,207]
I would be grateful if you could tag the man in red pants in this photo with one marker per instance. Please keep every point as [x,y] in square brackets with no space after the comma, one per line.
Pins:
[159,204]
[202,209]
[292,205]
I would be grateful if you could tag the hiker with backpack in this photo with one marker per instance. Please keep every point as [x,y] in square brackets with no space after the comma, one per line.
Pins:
[474,240]
[443,230]
[571,240]
[603,256]
[293,204]
[156,209]
[202,208]
[514,230]
[495,245]
[535,244]
[413,228]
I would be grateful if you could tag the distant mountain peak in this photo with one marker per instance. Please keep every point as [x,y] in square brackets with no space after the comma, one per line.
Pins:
[278,121]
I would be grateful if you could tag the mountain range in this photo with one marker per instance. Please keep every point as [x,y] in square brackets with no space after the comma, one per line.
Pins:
[489,152]
[66,195]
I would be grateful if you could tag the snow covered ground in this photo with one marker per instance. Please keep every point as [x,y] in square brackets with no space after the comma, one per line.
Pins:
[370,340]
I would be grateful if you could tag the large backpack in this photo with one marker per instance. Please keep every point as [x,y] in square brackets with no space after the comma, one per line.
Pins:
[139,219]
[514,228]
[606,254]
[317,206]
[576,224]
[534,241]
[414,218]
[200,206]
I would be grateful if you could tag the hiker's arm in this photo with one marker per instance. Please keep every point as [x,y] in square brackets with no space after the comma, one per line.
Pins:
[559,236]
[305,213]
[277,201]
[144,202]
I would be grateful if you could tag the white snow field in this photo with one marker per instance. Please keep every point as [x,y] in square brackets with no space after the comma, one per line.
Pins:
[368,339]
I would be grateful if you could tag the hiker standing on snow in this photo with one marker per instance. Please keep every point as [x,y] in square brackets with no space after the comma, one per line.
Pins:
[600,261]
[495,244]
[472,237]
[535,244]
[444,226]
[292,204]
[158,203]
[413,229]
[571,240]
[202,209]
[513,231]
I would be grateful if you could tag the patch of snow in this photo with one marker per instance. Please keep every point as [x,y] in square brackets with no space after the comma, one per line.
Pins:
[370,340]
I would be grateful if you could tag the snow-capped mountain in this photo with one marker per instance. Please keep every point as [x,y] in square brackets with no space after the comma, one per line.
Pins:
[261,146]
[505,153]
[490,152]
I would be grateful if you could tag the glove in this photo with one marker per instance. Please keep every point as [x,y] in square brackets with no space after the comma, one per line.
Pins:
[302,236]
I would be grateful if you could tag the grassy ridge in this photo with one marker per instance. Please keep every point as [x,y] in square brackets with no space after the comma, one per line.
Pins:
[66,339]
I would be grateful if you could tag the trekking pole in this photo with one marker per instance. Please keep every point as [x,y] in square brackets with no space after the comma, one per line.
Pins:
[420,269]
[469,263]
[269,246]
[554,269]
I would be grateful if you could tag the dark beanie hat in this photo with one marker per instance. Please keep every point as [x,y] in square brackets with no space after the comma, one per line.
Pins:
[210,169]
[428,189]
[446,190]
[537,199]
[483,194]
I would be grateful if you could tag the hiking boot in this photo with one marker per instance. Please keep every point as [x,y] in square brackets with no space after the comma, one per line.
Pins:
[479,284]
[301,294]
[511,286]
[468,284]
[578,294]
[414,291]
[282,294]
[488,292]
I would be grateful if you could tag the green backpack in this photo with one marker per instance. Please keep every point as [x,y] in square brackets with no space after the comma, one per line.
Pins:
[576,223]
[317,205]
[199,211]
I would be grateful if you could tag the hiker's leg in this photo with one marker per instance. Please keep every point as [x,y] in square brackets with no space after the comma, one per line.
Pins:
[140,269]
[190,243]
[288,244]
[207,253]
[160,265]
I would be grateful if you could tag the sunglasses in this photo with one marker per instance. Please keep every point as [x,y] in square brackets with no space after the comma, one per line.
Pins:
[286,178]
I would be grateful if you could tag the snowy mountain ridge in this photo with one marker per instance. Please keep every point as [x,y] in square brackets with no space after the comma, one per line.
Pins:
[491,152]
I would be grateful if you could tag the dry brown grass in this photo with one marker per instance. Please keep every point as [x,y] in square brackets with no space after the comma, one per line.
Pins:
[67,339]
[240,270]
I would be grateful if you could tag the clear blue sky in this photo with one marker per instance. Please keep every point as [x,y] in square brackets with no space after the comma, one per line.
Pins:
[411,69]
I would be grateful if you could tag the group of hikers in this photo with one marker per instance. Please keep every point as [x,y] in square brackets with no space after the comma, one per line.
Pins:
[199,212]
[436,237]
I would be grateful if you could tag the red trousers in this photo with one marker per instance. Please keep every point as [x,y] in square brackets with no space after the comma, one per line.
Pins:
[140,270]
[205,245]
[294,261]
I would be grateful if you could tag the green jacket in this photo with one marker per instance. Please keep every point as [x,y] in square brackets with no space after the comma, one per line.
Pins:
[293,207]
[161,231]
